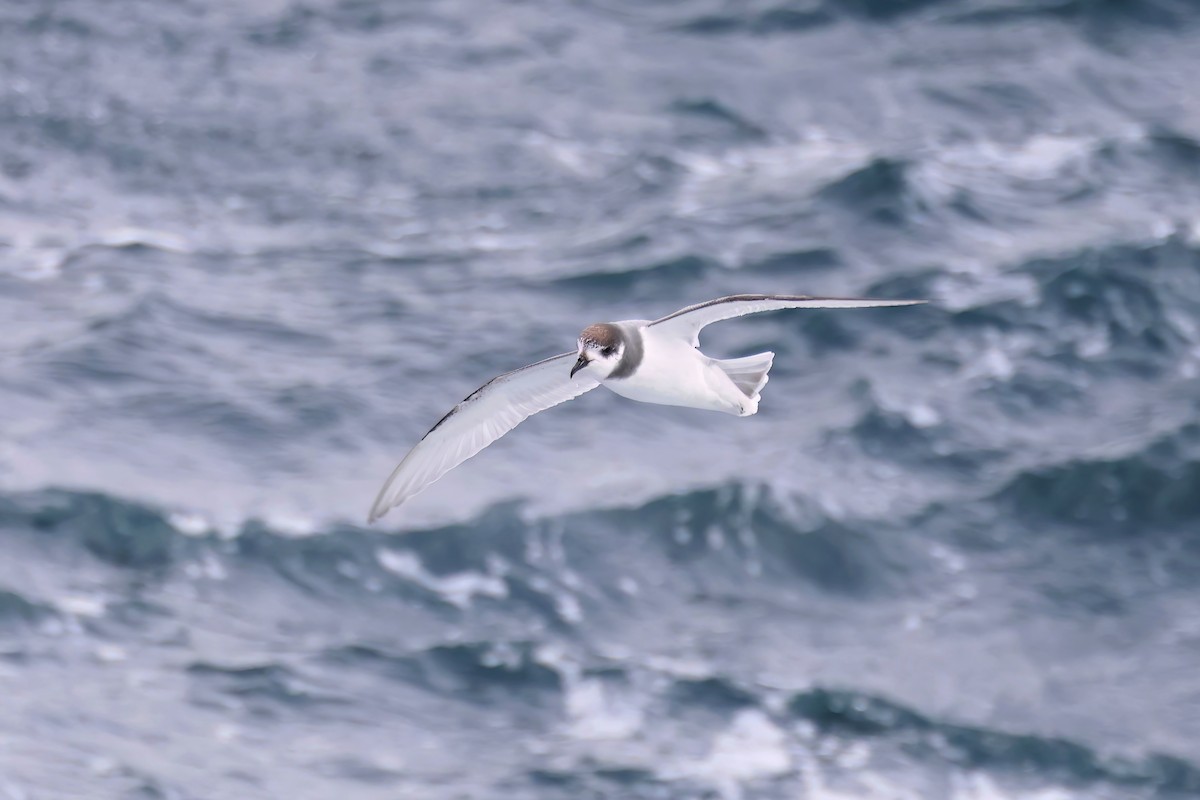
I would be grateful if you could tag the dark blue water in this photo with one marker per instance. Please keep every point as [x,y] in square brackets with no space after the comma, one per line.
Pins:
[250,252]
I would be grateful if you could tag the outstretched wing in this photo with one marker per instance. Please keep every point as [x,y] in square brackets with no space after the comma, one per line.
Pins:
[687,322]
[488,413]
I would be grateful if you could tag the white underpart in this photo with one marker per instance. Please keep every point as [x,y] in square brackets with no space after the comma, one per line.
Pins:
[674,373]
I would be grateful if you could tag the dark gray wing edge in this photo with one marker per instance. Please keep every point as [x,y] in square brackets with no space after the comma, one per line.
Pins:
[743,298]
[496,379]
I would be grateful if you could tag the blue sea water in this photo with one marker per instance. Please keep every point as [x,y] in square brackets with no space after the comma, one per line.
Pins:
[251,251]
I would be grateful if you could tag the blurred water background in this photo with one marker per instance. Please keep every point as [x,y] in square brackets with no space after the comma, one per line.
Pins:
[251,251]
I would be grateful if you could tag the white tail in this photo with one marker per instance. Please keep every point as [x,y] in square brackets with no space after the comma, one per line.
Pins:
[748,374]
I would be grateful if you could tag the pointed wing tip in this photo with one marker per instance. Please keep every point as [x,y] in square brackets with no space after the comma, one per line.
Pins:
[385,505]
[882,302]
[388,498]
[378,511]
[866,302]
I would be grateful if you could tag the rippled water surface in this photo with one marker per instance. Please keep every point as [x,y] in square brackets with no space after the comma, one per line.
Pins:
[251,251]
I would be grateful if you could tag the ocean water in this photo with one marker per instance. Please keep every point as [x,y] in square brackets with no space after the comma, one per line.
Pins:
[251,251]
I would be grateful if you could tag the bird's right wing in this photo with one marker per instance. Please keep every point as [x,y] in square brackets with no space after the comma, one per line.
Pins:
[687,322]
[488,413]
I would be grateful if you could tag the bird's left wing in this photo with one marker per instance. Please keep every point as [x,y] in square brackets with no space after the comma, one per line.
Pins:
[488,413]
[687,322]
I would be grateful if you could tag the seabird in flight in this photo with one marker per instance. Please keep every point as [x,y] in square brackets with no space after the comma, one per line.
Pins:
[655,361]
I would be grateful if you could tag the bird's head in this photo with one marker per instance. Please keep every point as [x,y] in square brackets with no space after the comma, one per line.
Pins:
[601,347]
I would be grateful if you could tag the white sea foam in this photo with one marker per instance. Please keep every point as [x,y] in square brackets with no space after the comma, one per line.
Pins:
[460,588]
[751,748]
[596,711]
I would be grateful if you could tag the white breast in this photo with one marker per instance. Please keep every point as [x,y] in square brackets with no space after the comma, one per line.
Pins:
[674,373]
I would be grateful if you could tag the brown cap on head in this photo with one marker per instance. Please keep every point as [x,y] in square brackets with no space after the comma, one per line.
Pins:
[602,334]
